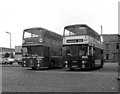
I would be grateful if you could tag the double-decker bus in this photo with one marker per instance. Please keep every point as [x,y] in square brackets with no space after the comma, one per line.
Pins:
[82,47]
[41,48]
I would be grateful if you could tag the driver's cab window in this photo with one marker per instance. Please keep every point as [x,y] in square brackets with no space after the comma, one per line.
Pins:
[82,50]
[24,50]
[69,52]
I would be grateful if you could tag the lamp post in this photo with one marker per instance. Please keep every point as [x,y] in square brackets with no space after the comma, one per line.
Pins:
[101,34]
[10,38]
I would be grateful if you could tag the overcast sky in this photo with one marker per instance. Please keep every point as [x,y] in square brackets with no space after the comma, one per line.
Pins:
[54,15]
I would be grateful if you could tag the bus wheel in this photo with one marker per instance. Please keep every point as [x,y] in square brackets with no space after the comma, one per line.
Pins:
[102,64]
[34,68]
[71,69]
[10,63]
[52,64]
[5,63]
[93,66]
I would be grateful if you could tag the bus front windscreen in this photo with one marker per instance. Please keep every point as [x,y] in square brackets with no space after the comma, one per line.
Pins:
[76,50]
[33,51]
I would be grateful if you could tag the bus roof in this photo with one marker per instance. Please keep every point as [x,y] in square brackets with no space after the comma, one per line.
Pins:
[83,29]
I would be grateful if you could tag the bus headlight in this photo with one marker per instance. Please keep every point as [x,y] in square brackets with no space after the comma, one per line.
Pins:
[84,62]
[38,61]
[24,61]
[38,65]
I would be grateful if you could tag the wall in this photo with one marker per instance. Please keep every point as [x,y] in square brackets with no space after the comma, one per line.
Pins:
[110,43]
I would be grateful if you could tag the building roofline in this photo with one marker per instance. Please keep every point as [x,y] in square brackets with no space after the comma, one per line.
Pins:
[6,48]
[110,34]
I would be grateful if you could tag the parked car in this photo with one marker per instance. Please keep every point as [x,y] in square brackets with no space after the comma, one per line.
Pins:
[19,61]
[8,58]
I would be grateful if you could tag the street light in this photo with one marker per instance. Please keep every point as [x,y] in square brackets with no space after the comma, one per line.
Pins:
[10,38]
[102,40]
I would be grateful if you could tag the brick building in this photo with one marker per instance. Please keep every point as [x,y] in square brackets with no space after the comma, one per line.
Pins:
[111,47]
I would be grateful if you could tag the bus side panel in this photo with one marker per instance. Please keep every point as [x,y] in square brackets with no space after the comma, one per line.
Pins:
[46,62]
[58,62]
[98,57]
[56,57]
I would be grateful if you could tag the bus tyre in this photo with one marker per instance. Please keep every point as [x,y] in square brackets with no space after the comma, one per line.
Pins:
[10,63]
[93,65]
[102,64]
[19,63]
[5,63]
[33,68]
[71,69]
[52,64]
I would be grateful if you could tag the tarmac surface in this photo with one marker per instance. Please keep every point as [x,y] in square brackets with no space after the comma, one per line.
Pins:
[18,79]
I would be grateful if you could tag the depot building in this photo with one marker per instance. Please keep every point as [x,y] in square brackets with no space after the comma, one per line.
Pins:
[111,47]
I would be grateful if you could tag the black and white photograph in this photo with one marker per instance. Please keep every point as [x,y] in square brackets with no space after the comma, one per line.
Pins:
[59,46]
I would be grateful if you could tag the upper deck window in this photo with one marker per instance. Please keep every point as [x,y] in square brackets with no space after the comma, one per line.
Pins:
[68,33]
[80,30]
[71,31]
[28,34]
[34,35]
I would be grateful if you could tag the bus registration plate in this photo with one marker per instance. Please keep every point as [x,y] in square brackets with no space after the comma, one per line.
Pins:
[31,63]
[74,66]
